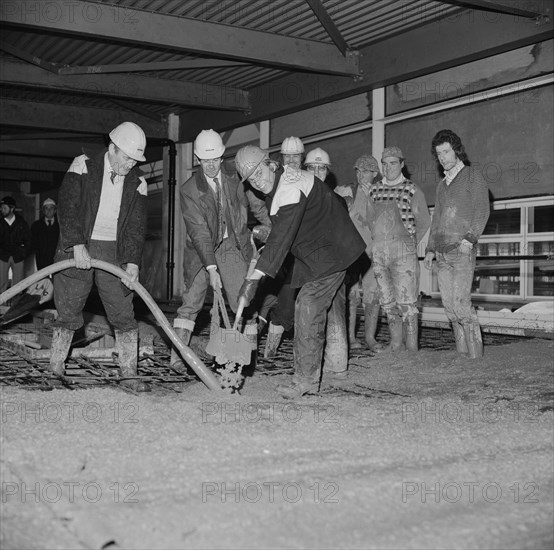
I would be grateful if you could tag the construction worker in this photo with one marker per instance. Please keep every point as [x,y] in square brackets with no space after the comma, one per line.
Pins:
[309,221]
[356,195]
[15,241]
[399,218]
[292,151]
[218,245]
[45,233]
[279,296]
[102,216]
[459,219]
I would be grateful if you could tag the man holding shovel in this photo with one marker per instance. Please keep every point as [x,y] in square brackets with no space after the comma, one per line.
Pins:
[218,246]
[309,221]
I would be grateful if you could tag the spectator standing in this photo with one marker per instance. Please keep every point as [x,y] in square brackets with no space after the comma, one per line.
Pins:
[44,234]
[15,243]
[461,212]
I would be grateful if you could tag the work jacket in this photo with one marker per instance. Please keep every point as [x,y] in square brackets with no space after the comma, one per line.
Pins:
[15,239]
[79,200]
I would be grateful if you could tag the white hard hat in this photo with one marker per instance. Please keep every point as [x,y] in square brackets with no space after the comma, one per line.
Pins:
[49,202]
[247,160]
[130,138]
[317,156]
[208,145]
[292,146]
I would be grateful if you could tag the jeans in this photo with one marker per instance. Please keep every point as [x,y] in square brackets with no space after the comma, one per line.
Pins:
[455,274]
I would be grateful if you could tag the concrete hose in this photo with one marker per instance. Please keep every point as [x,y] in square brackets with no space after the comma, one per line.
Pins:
[188,355]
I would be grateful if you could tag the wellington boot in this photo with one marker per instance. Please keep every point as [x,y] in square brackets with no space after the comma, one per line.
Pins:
[411,332]
[175,362]
[396,336]
[460,338]
[353,342]
[473,340]
[371,315]
[61,342]
[127,348]
[274,336]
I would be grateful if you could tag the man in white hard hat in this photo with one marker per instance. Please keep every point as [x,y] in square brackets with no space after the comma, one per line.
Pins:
[309,221]
[461,213]
[45,232]
[399,219]
[218,245]
[292,151]
[102,216]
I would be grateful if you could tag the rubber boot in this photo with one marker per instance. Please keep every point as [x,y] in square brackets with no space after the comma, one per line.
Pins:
[460,338]
[127,348]
[61,342]
[175,361]
[473,340]
[396,333]
[274,335]
[411,332]
[353,342]
[371,316]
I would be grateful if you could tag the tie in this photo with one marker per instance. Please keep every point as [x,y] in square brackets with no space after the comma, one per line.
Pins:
[220,218]
[112,176]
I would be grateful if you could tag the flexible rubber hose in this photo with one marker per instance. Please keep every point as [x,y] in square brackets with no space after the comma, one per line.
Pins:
[186,353]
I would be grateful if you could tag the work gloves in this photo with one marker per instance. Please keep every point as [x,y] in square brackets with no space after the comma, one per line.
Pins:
[248,290]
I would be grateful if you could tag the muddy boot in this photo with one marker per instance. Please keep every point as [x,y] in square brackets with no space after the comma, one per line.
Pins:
[371,315]
[411,332]
[61,342]
[175,362]
[353,342]
[127,348]
[396,333]
[460,338]
[473,340]
[274,335]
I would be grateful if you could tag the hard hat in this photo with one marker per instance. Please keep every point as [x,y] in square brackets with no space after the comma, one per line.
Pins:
[392,152]
[292,146]
[49,202]
[247,160]
[367,162]
[208,145]
[317,156]
[130,138]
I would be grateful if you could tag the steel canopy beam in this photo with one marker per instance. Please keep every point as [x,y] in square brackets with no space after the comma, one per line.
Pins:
[185,64]
[329,25]
[72,119]
[465,37]
[512,8]
[131,87]
[123,24]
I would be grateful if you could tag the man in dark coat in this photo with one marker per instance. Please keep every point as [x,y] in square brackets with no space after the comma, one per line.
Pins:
[45,233]
[15,241]
[309,221]
[102,216]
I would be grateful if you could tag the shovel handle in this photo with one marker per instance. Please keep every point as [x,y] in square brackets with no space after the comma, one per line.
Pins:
[240,309]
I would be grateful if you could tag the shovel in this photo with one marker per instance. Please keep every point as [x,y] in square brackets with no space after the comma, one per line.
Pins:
[226,343]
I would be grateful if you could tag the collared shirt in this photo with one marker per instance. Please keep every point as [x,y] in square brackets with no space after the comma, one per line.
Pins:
[449,175]
[10,220]
[105,225]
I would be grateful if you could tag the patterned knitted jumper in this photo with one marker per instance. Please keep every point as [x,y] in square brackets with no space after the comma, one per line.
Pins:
[461,211]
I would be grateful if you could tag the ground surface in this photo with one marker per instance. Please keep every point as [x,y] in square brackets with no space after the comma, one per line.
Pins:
[425,450]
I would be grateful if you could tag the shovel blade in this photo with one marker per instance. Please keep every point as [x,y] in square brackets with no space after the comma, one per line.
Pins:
[229,345]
